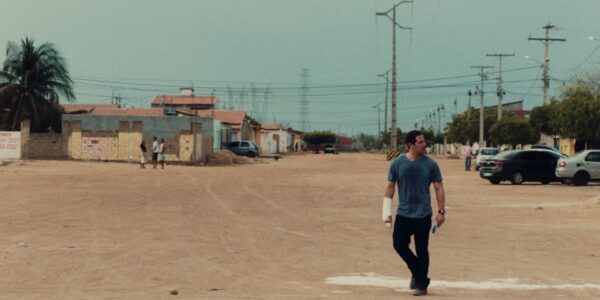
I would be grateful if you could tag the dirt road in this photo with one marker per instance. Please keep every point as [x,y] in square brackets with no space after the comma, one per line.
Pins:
[303,227]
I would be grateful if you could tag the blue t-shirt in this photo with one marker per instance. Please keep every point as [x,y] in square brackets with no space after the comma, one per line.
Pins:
[413,179]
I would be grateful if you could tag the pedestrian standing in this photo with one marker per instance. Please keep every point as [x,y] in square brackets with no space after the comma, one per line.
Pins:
[143,154]
[413,173]
[468,157]
[155,150]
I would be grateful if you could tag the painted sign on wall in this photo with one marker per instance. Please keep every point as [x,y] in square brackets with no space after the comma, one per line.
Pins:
[10,144]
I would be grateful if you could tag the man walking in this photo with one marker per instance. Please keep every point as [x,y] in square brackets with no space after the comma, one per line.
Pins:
[414,172]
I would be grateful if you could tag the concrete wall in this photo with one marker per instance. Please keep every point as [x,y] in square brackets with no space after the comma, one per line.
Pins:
[119,138]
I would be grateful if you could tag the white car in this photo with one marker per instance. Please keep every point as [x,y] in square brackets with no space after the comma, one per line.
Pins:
[485,154]
[580,168]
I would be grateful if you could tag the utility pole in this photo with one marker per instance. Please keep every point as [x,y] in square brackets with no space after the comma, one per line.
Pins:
[393,138]
[439,120]
[469,93]
[455,106]
[481,93]
[500,91]
[387,81]
[546,41]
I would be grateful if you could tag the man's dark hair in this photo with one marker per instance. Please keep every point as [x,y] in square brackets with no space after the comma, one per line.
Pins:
[411,137]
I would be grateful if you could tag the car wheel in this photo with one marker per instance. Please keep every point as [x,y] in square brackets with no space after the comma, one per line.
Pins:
[517,178]
[476,168]
[251,154]
[495,181]
[581,178]
[545,181]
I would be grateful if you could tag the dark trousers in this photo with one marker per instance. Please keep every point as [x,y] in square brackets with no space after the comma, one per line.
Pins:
[418,264]
[468,163]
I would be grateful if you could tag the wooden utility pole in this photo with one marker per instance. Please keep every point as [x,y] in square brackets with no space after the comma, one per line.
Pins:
[481,106]
[393,134]
[500,91]
[546,41]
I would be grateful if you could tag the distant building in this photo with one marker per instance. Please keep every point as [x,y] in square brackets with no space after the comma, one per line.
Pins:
[186,102]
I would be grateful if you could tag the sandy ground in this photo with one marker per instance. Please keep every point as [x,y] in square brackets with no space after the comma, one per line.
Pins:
[303,227]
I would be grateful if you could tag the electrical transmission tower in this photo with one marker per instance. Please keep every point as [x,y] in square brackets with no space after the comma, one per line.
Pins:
[264,111]
[254,110]
[304,124]
[546,41]
[229,104]
[500,92]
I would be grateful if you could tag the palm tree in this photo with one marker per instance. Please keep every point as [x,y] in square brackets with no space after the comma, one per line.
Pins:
[30,83]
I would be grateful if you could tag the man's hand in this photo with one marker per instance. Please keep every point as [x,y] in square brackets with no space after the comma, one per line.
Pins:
[386,212]
[388,222]
[440,219]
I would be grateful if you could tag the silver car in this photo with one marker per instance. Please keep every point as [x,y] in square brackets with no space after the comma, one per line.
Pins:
[485,154]
[581,168]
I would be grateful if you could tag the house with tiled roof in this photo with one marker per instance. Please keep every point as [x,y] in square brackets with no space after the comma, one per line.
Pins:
[186,101]
[110,110]
[276,138]
[237,126]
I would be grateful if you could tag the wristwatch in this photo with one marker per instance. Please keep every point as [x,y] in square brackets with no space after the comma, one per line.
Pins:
[442,212]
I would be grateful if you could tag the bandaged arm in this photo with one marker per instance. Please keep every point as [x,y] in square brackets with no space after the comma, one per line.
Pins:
[386,211]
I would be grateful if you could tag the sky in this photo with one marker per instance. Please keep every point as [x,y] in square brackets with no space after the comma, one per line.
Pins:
[251,54]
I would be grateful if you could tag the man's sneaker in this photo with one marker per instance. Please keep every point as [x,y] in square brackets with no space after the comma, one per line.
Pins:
[420,292]
[413,283]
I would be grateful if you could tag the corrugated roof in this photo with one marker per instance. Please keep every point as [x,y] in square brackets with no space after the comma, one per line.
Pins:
[184,100]
[85,108]
[271,126]
[229,116]
[128,112]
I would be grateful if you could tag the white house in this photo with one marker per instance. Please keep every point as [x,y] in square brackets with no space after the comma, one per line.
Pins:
[275,138]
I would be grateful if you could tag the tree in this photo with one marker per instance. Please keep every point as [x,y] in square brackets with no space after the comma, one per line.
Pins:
[579,114]
[316,138]
[546,118]
[30,83]
[513,131]
[464,128]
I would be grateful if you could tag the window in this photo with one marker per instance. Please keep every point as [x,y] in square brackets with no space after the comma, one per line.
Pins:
[245,145]
[529,155]
[593,156]
[234,144]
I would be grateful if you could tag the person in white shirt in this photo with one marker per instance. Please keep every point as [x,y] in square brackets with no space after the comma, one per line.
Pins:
[155,151]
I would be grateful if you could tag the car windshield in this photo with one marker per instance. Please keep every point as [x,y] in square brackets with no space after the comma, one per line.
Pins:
[506,154]
[489,151]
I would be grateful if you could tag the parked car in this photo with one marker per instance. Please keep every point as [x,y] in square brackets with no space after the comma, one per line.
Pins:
[329,149]
[583,167]
[546,147]
[244,148]
[519,166]
[485,154]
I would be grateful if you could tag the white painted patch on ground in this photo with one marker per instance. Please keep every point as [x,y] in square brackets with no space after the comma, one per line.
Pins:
[372,279]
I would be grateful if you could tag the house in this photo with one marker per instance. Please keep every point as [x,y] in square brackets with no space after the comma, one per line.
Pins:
[275,138]
[110,110]
[108,132]
[200,105]
[232,124]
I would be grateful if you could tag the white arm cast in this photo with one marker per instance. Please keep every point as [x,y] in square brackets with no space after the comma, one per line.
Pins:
[387,208]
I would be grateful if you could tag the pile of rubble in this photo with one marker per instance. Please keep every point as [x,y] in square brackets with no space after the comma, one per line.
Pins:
[226,157]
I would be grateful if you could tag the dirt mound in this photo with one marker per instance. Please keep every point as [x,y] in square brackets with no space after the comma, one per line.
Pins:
[225,157]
